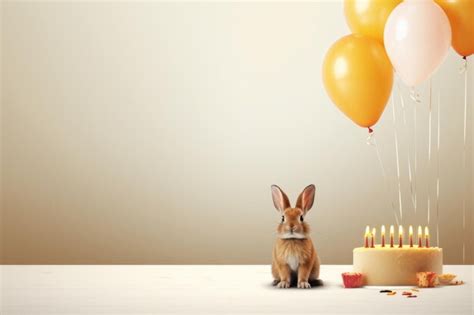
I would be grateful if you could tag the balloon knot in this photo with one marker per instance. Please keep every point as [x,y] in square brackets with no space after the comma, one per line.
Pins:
[370,130]
[464,57]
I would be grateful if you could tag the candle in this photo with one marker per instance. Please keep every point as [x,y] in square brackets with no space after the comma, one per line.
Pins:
[427,237]
[391,235]
[382,235]
[400,236]
[367,232]
[372,238]
[410,235]
[420,236]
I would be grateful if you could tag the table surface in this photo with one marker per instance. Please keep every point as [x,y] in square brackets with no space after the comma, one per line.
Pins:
[207,289]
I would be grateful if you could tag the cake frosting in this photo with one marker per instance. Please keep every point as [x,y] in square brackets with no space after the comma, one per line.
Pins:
[394,265]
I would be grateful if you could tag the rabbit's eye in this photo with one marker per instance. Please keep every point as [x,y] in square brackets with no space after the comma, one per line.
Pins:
[282,218]
[301,218]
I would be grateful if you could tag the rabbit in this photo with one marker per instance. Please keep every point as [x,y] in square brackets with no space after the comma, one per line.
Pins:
[294,258]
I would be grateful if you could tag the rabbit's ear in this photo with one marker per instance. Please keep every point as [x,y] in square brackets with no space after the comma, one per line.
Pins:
[280,200]
[306,198]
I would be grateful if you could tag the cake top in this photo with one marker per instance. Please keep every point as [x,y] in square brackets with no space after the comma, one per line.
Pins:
[396,248]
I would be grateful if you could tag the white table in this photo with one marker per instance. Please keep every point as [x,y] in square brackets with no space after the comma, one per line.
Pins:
[205,289]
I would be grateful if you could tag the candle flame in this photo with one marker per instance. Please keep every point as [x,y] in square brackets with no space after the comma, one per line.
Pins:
[382,230]
[391,230]
[373,232]
[427,232]
[400,230]
[367,230]
[420,231]
[410,230]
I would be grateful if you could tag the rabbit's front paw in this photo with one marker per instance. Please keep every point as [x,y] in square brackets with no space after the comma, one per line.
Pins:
[304,285]
[283,285]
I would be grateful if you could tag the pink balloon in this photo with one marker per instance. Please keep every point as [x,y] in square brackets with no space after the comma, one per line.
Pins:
[417,38]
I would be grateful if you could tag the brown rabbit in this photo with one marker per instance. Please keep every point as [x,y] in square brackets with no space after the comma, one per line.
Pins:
[294,256]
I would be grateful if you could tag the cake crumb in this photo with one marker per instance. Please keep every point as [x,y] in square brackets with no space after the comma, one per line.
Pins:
[446,278]
[427,279]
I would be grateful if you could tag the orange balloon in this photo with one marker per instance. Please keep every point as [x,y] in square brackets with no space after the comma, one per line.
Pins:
[358,77]
[461,18]
[368,17]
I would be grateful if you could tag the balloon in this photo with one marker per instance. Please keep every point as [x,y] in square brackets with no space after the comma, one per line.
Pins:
[461,17]
[368,17]
[358,77]
[417,38]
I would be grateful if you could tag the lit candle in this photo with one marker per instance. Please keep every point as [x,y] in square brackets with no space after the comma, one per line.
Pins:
[400,236]
[420,236]
[391,235]
[410,235]
[427,237]
[367,232]
[382,235]
[372,238]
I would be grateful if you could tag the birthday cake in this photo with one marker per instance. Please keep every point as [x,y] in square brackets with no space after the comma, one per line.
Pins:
[396,263]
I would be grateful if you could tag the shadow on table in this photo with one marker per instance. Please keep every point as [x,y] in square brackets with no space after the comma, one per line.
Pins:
[293,284]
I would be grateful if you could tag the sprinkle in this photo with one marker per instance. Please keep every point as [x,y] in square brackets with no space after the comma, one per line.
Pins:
[391,293]
[411,296]
[406,293]
[385,291]
[416,290]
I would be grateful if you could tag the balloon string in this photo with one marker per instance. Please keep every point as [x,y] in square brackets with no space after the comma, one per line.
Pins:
[402,102]
[398,160]
[465,68]
[410,178]
[437,170]
[416,156]
[429,151]
[372,142]
[414,95]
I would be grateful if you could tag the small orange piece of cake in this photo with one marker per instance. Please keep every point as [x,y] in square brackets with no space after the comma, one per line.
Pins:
[427,279]
[446,278]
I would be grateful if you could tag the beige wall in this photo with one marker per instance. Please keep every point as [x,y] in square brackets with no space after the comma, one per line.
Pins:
[151,133]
